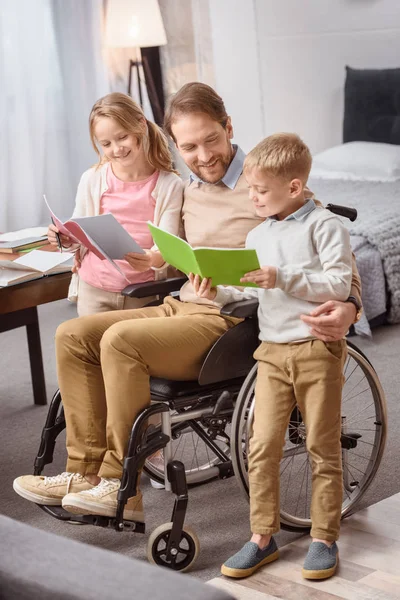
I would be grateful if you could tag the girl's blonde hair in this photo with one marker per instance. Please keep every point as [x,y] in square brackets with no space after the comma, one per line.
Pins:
[129,115]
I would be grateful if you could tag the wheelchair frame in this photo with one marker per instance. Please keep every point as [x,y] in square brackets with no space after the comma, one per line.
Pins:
[212,402]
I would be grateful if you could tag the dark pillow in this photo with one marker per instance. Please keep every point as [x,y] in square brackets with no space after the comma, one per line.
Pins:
[372,105]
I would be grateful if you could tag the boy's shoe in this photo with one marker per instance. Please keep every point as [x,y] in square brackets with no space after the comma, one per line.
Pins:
[49,490]
[102,500]
[249,559]
[321,561]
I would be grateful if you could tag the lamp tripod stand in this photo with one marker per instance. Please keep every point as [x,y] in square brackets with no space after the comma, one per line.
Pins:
[135,64]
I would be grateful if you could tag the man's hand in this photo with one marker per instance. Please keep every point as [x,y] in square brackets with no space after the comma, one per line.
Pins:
[264,277]
[203,288]
[51,236]
[331,321]
[144,262]
[77,261]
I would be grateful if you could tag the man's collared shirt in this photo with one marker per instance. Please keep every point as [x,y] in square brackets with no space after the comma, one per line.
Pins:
[233,173]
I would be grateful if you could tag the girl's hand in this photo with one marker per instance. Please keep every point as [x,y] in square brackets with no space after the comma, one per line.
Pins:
[144,262]
[264,277]
[51,236]
[77,261]
[203,288]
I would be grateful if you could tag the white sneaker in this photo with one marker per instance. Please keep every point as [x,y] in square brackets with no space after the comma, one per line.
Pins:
[102,500]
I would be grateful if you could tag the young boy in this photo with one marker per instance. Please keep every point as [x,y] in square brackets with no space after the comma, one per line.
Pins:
[307,257]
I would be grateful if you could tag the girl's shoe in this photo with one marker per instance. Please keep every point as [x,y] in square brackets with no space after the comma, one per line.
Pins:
[157,460]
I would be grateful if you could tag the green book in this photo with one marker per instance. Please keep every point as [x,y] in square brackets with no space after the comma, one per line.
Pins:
[225,266]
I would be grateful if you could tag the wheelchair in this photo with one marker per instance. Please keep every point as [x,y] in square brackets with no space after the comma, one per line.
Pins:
[205,430]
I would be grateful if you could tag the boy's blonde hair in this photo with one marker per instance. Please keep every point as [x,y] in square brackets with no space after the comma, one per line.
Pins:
[130,116]
[282,155]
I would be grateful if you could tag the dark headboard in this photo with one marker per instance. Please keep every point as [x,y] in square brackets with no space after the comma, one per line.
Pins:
[372,105]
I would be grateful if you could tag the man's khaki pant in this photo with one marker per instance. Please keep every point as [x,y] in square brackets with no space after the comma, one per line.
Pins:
[104,362]
[309,374]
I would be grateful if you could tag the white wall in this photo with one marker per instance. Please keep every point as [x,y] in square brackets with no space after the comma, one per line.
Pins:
[280,65]
[236,67]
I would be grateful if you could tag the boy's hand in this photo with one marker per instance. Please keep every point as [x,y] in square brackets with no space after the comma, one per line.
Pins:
[264,277]
[203,288]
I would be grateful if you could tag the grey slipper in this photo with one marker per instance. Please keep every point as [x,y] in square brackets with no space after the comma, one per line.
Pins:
[249,559]
[321,561]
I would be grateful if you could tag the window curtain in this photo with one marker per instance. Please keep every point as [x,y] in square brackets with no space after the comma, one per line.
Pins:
[188,53]
[51,73]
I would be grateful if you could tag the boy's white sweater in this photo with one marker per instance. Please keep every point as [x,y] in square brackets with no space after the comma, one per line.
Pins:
[312,254]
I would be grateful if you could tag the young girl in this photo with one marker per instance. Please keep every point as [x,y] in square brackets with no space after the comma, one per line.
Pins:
[135,181]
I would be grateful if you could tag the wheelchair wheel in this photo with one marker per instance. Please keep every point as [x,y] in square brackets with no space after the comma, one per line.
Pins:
[364,428]
[201,450]
[187,551]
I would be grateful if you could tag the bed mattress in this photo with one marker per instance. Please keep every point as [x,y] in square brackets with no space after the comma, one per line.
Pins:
[375,239]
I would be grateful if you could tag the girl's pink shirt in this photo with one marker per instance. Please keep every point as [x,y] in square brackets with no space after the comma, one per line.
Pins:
[132,205]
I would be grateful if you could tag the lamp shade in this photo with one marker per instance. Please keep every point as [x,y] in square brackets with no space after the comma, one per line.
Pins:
[134,24]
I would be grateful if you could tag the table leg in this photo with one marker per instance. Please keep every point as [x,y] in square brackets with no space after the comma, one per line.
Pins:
[28,317]
[36,359]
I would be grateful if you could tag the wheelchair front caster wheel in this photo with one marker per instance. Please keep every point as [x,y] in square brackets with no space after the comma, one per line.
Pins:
[182,558]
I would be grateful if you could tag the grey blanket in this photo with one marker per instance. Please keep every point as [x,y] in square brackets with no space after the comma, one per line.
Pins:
[375,237]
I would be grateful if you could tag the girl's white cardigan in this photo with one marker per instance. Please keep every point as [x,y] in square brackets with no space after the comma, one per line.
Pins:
[168,194]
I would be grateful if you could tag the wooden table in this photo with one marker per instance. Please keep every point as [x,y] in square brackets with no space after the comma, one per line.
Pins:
[18,308]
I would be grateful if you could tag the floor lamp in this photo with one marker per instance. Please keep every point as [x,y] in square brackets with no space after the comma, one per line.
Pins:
[134,24]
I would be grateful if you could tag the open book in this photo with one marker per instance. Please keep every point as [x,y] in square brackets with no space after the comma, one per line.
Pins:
[33,266]
[102,235]
[225,266]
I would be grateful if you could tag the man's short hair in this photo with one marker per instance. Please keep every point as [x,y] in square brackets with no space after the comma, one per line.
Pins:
[195,97]
[282,155]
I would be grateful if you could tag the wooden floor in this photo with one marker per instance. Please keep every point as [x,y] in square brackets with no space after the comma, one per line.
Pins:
[369,569]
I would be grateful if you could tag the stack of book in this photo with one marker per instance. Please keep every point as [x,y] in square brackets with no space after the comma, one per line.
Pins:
[16,241]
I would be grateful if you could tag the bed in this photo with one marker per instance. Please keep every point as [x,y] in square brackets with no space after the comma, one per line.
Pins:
[364,173]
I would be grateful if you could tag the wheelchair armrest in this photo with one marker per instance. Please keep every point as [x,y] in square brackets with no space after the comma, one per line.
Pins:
[343,211]
[154,288]
[242,310]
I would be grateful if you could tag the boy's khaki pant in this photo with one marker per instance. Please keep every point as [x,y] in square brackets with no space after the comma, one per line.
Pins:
[104,363]
[309,374]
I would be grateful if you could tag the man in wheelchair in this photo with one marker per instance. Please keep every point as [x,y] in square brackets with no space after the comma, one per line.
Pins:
[105,361]
[311,253]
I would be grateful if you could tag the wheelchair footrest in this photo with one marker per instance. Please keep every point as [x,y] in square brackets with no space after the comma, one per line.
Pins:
[58,512]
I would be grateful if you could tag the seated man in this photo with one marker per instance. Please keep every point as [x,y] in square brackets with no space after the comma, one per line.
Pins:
[105,361]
